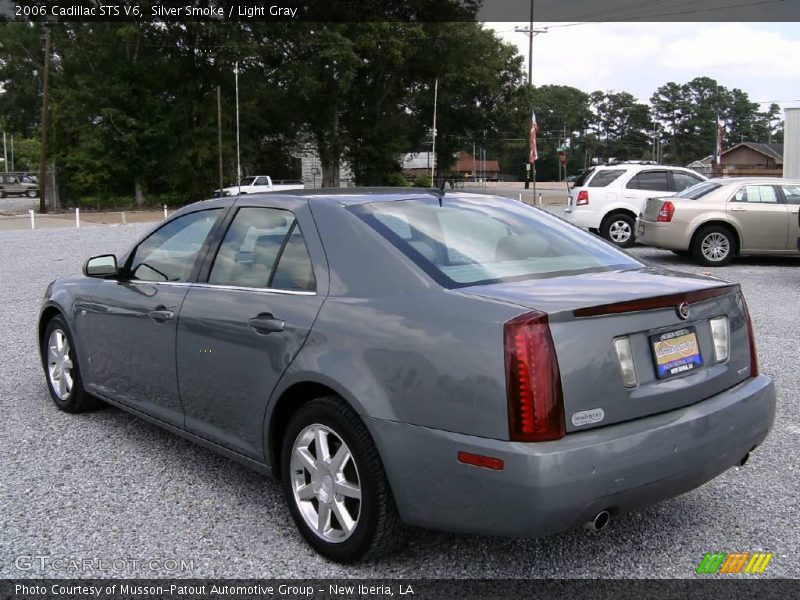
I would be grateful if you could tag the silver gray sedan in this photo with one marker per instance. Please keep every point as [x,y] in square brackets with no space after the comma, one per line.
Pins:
[459,362]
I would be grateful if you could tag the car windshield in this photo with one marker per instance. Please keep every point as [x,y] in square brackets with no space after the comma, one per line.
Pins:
[698,190]
[581,180]
[469,241]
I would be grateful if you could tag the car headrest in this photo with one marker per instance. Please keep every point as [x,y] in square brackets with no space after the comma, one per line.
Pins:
[518,247]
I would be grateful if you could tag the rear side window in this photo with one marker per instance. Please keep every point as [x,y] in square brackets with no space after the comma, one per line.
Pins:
[653,181]
[684,180]
[605,177]
[263,248]
[756,194]
[469,241]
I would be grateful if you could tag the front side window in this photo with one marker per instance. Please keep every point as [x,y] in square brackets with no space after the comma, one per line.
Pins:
[469,241]
[652,181]
[792,193]
[756,194]
[170,252]
[605,177]
[263,248]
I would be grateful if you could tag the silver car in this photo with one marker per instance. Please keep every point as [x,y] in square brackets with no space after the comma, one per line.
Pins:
[458,362]
[718,219]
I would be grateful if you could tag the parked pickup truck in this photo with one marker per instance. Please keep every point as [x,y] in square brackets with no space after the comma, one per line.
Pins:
[257,184]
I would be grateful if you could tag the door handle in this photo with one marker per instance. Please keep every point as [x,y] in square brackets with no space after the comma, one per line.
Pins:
[161,315]
[265,324]
[738,209]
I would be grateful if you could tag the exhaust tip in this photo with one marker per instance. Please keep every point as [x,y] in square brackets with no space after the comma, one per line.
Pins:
[744,459]
[599,522]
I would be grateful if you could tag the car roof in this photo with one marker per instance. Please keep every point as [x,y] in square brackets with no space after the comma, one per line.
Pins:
[352,196]
[642,166]
[754,180]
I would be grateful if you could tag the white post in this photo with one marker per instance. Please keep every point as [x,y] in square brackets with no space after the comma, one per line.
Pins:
[540,198]
[520,197]
[77,218]
[165,211]
[123,218]
[33,224]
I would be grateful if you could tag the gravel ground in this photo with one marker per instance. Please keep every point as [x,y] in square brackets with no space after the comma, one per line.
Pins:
[108,486]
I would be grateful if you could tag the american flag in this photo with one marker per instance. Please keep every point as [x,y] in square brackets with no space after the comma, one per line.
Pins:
[534,128]
[718,143]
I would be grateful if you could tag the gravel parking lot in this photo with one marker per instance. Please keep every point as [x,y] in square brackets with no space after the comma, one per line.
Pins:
[109,486]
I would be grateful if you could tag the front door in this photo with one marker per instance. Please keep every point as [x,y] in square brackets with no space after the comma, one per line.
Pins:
[132,320]
[760,216]
[240,330]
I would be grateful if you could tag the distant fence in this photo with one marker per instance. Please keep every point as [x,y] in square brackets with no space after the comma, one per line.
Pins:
[734,172]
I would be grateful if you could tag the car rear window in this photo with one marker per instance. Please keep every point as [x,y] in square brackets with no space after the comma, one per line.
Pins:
[581,180]
[605,177]
[470,241]
[698,190]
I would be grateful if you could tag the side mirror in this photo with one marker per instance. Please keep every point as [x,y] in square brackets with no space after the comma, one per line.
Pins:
[104,265]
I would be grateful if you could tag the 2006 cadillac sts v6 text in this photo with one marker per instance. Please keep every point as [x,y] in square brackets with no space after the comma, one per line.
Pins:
[463,362]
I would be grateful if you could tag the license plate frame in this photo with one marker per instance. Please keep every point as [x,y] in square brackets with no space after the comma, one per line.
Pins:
[640,229]
[674,360]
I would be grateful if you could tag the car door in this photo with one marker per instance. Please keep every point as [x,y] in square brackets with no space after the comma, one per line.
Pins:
[132,319]
[646,184]
[242,325]
[791,197]
[760,216]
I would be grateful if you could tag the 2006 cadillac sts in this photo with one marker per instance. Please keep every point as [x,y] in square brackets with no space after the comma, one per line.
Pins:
[457,361]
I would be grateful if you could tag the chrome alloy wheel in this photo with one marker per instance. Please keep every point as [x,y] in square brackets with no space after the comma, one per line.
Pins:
[325,483]
[715,247]
[620,232]
[59,364]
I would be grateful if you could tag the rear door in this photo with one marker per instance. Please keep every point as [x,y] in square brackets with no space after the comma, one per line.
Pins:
[653,183]
[245,320]
[791,196]
[761,217]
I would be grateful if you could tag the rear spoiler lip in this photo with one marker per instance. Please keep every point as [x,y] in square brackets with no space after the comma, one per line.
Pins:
[655,303]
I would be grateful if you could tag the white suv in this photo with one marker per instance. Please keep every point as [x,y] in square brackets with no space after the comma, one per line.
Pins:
[608,198]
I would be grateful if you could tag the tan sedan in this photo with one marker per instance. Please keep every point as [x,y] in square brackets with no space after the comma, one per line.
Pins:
[721,218]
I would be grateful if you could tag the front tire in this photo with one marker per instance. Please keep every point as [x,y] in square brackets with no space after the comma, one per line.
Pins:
[335,485]
[713,246]
[618,229]
[62,372]
[32,193]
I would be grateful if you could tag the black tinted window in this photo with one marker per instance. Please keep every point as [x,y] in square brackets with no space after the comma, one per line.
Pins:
[654,181]
[170,253]
[684,180]
[604,177]
[581,180]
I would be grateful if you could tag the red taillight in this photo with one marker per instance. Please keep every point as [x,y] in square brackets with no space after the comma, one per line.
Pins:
[583,198]
[666,212]
[752,336]
[535,397]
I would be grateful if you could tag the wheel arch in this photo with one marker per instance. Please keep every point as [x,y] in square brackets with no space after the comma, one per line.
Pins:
[616,211]
[737,239]
[47,314]
[287,404]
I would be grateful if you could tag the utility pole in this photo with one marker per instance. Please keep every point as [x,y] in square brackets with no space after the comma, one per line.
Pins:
[219,135]
[531,32]
[433,133]
[238,153]
[45,95]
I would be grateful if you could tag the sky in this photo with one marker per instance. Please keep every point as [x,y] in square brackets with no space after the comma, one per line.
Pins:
[763,59]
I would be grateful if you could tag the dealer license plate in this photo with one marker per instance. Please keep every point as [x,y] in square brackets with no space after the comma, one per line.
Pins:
[676,352]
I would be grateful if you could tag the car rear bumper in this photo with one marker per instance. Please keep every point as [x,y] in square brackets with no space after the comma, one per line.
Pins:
[582,217]
[662,235]
[553,486]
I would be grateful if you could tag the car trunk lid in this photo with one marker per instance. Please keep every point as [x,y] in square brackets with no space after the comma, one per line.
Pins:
[588,312]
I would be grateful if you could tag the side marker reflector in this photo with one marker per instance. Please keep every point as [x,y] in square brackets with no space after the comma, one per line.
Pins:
[478,460]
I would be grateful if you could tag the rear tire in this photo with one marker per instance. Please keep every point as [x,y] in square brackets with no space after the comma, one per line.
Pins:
[335,485]
[2,194]
[61,369]
[618,229]
[714,246]
[32,193]
[683,253]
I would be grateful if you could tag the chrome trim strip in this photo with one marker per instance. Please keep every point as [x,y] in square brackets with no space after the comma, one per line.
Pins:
[254,289]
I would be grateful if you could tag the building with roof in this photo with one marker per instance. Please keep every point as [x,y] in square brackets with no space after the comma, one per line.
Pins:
[753,158]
